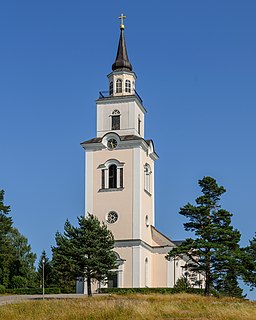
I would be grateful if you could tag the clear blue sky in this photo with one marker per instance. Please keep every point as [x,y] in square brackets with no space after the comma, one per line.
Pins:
[196,68]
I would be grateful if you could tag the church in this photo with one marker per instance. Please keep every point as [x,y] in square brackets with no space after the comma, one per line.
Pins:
[119,183]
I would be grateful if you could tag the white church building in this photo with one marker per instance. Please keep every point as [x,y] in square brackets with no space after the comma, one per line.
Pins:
[119,183]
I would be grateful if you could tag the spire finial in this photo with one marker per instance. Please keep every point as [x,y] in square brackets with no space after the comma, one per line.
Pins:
[122,17]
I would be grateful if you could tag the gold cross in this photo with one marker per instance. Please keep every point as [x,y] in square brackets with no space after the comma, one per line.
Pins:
[122,17]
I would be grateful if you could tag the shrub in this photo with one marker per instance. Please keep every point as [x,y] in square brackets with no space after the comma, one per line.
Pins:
[182,284]
[2,289]
[18,282]
[149,290]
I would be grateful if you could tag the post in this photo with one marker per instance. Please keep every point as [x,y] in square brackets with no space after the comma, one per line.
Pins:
[43,262]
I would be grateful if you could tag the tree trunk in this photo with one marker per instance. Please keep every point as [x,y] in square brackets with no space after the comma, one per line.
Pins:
[89,286]
[207,276]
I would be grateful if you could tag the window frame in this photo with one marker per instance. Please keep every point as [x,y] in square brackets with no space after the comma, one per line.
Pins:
[115,116]
[111,88]
[119,85]
[105,175]
[147,179]
[128,86]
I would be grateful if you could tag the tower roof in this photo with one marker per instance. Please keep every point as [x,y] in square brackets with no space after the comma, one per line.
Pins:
[122,62]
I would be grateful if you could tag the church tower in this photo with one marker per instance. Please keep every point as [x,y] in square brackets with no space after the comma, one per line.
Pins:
[119,179]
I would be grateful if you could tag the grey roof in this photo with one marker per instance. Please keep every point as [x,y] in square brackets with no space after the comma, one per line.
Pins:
[122,138]
[122,62]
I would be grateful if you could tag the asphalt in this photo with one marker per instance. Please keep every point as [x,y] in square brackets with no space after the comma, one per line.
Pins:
[20,298]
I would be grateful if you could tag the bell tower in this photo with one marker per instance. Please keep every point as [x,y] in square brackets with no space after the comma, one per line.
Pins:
[119,174]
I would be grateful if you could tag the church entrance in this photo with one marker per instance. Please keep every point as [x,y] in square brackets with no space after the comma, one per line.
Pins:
[113,281]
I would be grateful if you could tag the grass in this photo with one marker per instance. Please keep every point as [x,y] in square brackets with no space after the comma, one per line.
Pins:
[133,307]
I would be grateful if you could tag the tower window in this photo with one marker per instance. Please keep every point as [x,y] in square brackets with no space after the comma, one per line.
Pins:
[115,120]
[121,177]
[139,124]
[112,217]
[147,178]
[102,179]
[111,88]
[112,175]
[118,86]
[127,86]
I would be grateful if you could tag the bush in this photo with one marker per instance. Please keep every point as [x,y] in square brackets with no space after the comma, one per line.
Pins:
[149,290]
[182,284]
[18,282]
[2,289]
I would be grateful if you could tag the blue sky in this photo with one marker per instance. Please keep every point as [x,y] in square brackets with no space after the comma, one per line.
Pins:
[196,68]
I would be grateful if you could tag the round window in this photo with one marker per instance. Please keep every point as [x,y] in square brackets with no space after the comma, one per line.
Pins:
[112,217]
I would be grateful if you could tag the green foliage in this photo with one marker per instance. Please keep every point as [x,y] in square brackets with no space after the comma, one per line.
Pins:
[5,247]
[19,282]
[48,271]
[16,258]
[2,289]
[23,259]
[249,263]
[215,252]
[150,290]
[85,251]
[182,284]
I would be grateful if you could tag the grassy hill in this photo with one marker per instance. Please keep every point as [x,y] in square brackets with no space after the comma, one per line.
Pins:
[133,307]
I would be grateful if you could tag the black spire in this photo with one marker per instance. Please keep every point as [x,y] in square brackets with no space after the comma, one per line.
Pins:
[122,62]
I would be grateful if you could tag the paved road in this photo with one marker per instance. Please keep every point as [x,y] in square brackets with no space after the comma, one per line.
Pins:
[20,298]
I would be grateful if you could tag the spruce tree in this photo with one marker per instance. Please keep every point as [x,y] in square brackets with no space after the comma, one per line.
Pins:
[249,264]
[48,271]
[85,251]
[214,252]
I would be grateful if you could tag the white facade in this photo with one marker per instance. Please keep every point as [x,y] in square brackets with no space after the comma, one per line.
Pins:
[119,180]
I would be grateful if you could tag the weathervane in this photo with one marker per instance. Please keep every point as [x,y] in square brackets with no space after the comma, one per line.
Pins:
[122,17]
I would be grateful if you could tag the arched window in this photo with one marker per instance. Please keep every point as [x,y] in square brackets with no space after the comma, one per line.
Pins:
[118,86]
[146,272]
[115,122]
[111,88]
[147,221]
[139,124]
[127,86]
[147,178]
[112,175]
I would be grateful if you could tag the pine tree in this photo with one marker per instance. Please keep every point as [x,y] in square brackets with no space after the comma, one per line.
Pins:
[84,251]
[214,252]
[249,263]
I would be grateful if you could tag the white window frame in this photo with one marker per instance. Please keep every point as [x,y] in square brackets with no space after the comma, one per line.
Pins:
[128,86]
[119,85]
[105,167]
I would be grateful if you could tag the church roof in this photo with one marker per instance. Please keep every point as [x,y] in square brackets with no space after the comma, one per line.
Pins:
[161,239]
[122,62]
[122,138]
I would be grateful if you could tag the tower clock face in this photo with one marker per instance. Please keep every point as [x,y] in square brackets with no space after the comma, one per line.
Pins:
[112,144]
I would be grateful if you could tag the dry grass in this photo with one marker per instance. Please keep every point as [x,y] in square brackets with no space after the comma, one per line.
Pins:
[133,307]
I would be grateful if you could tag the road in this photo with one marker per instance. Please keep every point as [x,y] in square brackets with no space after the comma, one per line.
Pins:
[19,298]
